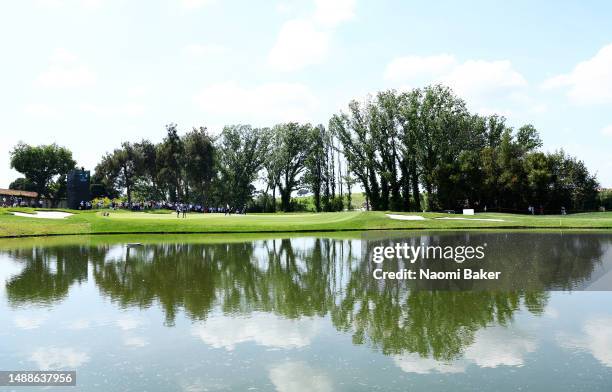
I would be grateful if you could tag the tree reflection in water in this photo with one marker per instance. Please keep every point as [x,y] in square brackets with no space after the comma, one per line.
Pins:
[321,277]
[47,273]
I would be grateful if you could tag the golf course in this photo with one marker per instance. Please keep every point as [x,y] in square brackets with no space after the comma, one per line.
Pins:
[31,222]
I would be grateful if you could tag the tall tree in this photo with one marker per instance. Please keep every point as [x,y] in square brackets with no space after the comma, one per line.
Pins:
[439,122]
[171,154]
[353,131]
[350,182]
[293,148]
[316,164]
[385,133]
[45,167]
[242,153]
[408,113]
[272,170]
[121,168]
[148,180]
[199,158]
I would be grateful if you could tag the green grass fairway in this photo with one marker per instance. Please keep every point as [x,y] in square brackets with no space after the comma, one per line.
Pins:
[93,222]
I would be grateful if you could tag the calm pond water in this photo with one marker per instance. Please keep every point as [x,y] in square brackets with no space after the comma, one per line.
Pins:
[303,314]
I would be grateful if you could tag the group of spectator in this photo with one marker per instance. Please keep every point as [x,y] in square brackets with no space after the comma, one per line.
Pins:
[85,205]
[16,201]
[163,205]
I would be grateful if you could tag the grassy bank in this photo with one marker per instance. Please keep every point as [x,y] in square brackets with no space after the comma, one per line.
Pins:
[93,222]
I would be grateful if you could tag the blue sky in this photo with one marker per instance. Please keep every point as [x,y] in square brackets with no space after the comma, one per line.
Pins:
[89,74]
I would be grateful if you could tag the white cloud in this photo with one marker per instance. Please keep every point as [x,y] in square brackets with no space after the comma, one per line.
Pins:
[299,377]
[268,102]
[29,322]
[480,82]
[480,78]
[497,346]
[306,41]
[551,312]
[599,335]
[261,328]
[414,363]
[298,45]
[128,323]
[205,50]
[590,82]
[492,347]
[66,71]
[597,339]
[607,131]
[332,12]
[49,358]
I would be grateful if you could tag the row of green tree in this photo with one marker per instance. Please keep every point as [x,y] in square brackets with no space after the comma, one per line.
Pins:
[414,150]
[216,171]
[400,144]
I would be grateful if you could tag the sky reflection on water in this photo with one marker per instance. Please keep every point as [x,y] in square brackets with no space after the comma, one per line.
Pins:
[293,313]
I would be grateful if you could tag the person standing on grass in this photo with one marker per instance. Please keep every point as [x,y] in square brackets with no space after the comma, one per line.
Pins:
[185,211]
[178,210]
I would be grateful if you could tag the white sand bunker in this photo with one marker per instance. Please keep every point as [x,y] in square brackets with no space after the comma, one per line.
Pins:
[405,217]
[44,214]
[472,219]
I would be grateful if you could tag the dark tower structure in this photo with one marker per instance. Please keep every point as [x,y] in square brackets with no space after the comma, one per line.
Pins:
[77,187]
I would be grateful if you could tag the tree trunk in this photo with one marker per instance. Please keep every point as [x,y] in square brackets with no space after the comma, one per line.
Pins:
[128,187]
[349,196]
[414,179]
[405,184]
[384,192]
[333,171]
[286,198]
[274,198]
[340,174]
[374,190]
[429,189]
